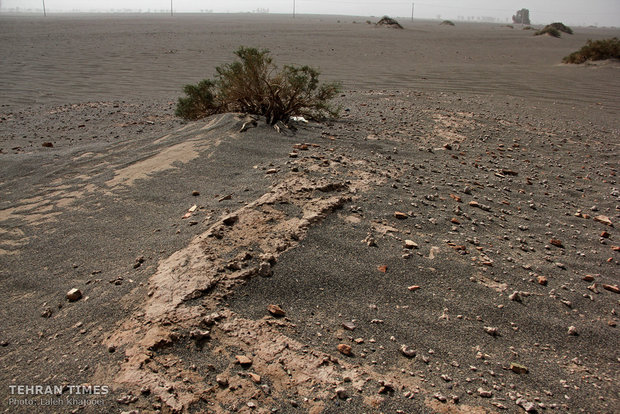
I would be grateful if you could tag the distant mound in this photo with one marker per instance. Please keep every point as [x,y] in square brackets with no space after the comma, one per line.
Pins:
[554,29]
[447,23]
[561,27]
[389,22]
[595,50]
[549,31]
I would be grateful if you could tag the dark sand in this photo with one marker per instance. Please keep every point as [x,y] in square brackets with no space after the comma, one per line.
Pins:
[488,144]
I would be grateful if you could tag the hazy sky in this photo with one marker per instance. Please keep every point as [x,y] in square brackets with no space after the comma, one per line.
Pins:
[575,12]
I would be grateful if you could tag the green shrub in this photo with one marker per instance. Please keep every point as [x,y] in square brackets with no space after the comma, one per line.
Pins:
[554,30]
[551,31]
[389,22]
[253,85]
[596,50]
[562,28]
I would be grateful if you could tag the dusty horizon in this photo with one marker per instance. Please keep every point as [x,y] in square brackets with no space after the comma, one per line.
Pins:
[602,13]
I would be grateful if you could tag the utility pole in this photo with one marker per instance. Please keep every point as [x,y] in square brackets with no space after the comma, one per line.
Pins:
[170,7]
[293,9]
[44,12]
[412,5]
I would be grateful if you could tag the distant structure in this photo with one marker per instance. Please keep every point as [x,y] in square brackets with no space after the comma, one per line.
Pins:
[522,17]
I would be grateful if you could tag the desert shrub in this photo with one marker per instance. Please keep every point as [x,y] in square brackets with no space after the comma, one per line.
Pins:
[253,85]
[447,23]
[596,50]
[551,31]
[562,28]
[554,30]
[199,102]
[528,28]
[389,22]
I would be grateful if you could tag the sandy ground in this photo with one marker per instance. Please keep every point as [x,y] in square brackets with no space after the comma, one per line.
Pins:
[455,229]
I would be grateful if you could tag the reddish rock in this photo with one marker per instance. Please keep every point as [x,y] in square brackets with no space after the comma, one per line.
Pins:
[275,310]
[345,349]
[382,268]
[542,280]
[400,215]
[556,242]
[243,360]
[611,288]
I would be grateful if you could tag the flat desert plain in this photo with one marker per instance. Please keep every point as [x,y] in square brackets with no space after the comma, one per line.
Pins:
[449,244]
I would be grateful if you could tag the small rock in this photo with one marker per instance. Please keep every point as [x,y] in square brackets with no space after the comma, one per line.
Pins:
[386,387]
[243,360]
[342,393]
[509,172]
[382,268]
[264,269]
[47,313]
[603,219]
[400,215]
[222,381]
[542,280]
[611,288]
[271,171]
[47,145]
[370,241]
[485,393]
[491,330]
[138,262]
[588,278]
[345,349]
[275,310]
[74,295]
[199,334]
[528,406]
[4,343]
[556,242]
[518,368]
[515,296]
[251,404]
[407,351]
[256,379]
[413,288]
[572,331]
[410,244]
[440,397]
[350,326]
